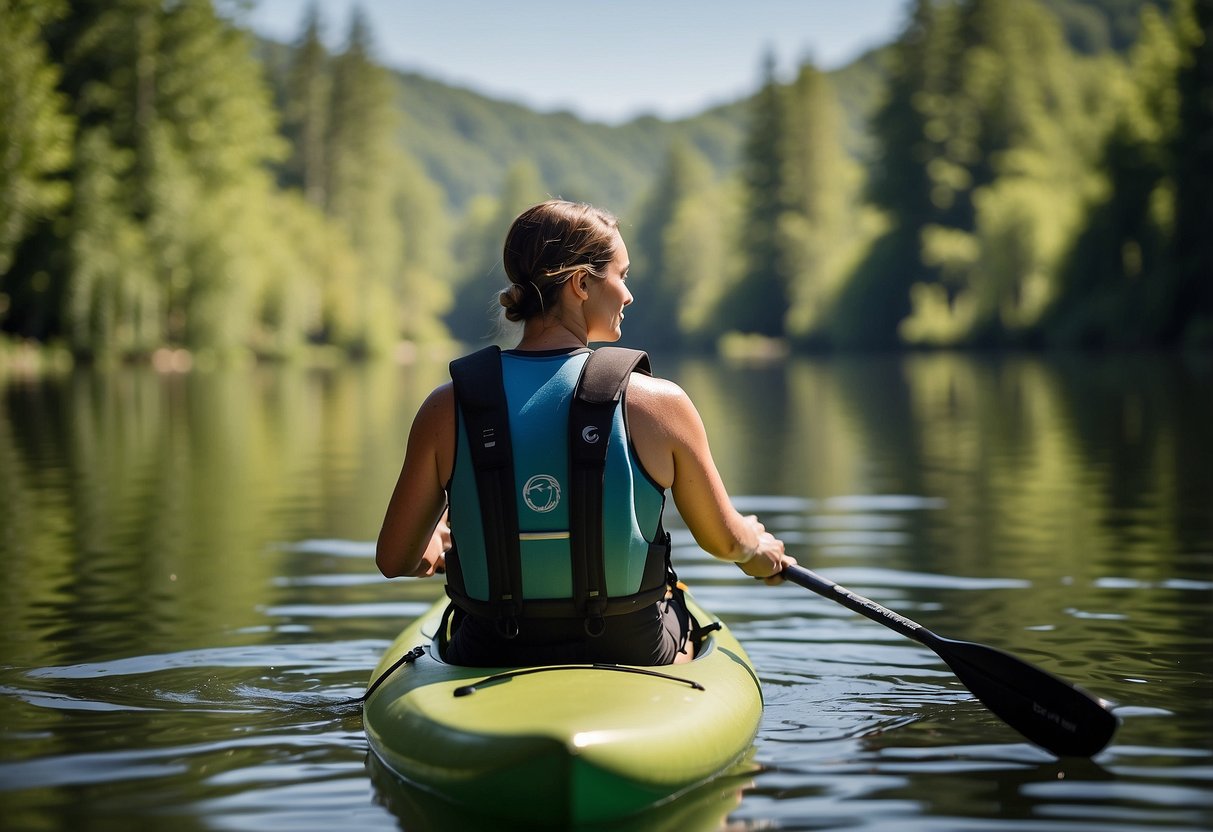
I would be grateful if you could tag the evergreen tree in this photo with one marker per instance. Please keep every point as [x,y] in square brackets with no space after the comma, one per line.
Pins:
[175,128]
[910,180]
[212,133]
[35,128]
[1023,161]
[821,221]
[424,293]
[306,111]
[987,151]
[114,304]
[700,260]
[35,150]
[909,126]
[1193,155]
[1124,280]
[479,243]
[360,191]
[658,289]
[759,301]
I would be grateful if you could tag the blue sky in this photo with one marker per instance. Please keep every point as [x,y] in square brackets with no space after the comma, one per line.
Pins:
[607,60]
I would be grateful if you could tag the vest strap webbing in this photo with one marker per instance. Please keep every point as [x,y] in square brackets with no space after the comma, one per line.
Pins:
[604,378]
[480,393]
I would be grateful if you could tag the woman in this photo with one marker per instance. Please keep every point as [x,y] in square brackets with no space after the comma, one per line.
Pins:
[548,602]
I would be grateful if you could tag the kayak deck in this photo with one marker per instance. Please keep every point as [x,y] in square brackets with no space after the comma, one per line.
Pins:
[562,743]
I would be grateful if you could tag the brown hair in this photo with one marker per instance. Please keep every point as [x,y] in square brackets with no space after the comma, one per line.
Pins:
[546,245]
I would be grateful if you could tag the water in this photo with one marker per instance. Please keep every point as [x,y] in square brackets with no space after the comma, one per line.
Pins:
[189,597]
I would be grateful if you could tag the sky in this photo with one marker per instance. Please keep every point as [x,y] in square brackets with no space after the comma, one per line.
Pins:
[605,60]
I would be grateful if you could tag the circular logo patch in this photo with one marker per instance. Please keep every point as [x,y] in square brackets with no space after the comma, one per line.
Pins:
[541,493]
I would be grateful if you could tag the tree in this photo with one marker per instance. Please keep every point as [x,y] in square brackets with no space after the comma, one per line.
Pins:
[1125,279]
[306,112]
[421,216]
[758,302]
[35,128]
[479,241]
[1193,155]
[822,221]
[700,260]
[360,190]
[910,181]
[658,288]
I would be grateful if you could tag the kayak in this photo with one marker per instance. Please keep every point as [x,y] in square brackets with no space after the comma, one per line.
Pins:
[561,744]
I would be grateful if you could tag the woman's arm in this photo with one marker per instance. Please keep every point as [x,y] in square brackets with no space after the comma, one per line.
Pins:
[414,537]
[672,443]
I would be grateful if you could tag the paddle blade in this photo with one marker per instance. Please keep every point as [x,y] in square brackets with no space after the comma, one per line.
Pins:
[1050,712]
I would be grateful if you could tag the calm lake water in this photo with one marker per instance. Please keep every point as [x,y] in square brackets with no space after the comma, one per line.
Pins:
[189,596]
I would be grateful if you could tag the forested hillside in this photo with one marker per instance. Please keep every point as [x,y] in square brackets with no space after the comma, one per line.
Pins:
[1007,172]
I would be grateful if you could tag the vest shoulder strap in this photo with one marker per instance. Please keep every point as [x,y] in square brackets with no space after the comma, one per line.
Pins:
[480,396]
[604,378]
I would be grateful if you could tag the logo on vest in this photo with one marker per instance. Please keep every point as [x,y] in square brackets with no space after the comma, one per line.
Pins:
[590,434]
[541,493]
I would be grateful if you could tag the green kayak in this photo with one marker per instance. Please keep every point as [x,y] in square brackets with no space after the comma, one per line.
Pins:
[561,744]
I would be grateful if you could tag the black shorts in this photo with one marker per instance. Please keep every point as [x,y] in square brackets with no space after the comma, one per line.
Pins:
[650,636]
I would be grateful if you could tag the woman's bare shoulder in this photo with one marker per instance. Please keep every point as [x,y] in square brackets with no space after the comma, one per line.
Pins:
[660,403]
[435,419]
[651,394]
[440,401]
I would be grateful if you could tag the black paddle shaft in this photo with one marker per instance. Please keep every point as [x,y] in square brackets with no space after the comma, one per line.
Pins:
[1050,712]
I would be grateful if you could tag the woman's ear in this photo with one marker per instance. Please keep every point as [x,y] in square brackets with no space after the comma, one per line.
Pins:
[579,281]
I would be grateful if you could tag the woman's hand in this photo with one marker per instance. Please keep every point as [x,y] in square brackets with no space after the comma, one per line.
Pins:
[767,560]
[433,559]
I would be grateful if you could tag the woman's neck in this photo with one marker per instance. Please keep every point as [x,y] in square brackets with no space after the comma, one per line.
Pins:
[538,334]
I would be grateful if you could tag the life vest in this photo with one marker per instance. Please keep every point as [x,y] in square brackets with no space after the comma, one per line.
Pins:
[564,562]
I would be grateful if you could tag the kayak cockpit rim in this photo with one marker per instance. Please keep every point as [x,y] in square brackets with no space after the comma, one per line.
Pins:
[704,647]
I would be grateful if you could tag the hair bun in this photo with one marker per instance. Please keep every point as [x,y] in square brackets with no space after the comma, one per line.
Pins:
[512,299]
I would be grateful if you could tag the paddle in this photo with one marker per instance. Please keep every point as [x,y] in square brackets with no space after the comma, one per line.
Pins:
[1052,713]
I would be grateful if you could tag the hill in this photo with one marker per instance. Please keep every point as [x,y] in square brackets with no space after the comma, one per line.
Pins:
[467,141]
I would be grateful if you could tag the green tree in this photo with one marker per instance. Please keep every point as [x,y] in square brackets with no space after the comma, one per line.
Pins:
[425,278]
[114,304]
[1022,149]
[658,288]
[35,128]
[175,130]
[700,260]
[479,242]
[306,111]
[1122,283]
[361,158]
[1193,155]
[988,146]
[822,223]
[759,300]
[909,180]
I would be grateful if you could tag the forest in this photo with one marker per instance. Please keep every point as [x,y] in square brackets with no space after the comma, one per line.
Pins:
[1006,174]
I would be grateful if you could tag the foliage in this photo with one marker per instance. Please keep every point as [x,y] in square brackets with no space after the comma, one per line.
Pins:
[478,269]
[1093,26]
[35,127]
[667,231]
[1006,173]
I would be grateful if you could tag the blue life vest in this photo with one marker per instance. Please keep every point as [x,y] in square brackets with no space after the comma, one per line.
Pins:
[551,513]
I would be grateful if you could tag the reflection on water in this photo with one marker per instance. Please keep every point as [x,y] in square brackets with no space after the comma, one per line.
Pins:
[190,602]
[703,808]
